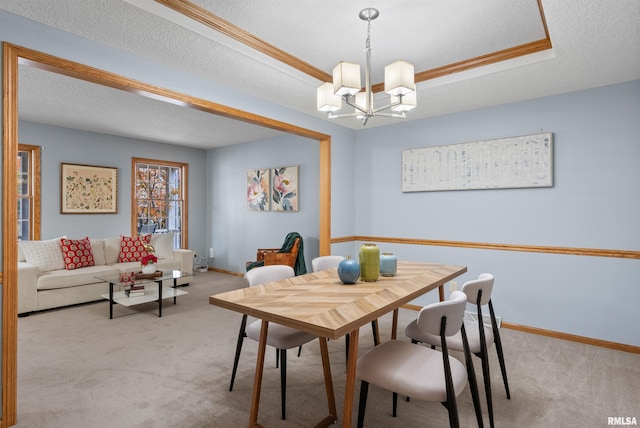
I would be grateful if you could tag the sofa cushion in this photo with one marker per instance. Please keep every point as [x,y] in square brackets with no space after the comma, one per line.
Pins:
[163,244]
[111,250]
[132,248]
[97,247]
[45,255]
[71,278]
[77,253]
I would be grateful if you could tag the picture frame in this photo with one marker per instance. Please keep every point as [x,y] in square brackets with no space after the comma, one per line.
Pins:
[258,189]
[284,189]
[88,189]
[506,163]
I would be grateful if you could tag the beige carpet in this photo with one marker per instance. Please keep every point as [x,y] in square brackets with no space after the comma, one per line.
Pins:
[77,368]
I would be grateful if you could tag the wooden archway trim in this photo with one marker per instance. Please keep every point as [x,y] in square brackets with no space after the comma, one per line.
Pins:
[14,55]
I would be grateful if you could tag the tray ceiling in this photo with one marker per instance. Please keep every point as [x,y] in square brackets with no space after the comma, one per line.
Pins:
[592,44]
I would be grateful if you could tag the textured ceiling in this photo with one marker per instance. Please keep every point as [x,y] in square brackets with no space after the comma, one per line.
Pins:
[595,43]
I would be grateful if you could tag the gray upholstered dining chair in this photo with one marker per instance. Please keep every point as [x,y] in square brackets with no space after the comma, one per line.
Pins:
[480,336]
[278,336]
[420,372]
[332,262]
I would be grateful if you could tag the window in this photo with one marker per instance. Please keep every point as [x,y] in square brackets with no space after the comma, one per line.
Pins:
[28,192]
[160,198]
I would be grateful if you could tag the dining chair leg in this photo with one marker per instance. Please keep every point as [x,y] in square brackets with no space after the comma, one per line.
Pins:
[471,378]
[241,335]
[484,357]
[394,413]
[450,404]
[364,389]
[346,347]
[487,381]
[299,350]
[376,332]
[277,358]
[498,343]
[283,381]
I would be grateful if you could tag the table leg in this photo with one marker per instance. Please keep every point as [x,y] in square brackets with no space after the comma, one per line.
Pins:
[175,285]
[257,381]
[111,300]
[394,324]
[328,381]
[351,378]
[441,293]
[159,298]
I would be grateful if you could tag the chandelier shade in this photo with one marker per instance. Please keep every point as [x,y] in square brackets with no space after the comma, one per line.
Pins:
[361,105]
[404,103]
[399,78]
[326,99]
[346,78]
[399,83]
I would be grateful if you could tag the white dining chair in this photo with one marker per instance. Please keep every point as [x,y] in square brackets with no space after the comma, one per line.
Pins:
[420,372]
[480,336]
[278,336]
[325,262]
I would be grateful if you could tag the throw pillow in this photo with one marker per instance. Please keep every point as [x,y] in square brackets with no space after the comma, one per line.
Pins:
[45,255]
[132,248]
[163,244]
[77,253]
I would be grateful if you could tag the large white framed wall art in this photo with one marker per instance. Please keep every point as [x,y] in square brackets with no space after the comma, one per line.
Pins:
[515,162]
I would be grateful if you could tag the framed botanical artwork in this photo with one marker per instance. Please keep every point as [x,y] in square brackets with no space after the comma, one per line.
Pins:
[258,189]
[284,188]
[88,189]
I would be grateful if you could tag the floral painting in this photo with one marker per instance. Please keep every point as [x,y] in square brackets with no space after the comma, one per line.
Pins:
[284,188]
[258,190]
[87,189]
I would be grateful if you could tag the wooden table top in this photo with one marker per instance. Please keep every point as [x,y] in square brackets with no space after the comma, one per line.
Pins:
[320,304]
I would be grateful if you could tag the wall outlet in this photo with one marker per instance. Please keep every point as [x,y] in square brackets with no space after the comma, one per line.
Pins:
[453,286]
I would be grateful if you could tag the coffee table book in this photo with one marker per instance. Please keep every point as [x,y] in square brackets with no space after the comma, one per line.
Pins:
[135,290]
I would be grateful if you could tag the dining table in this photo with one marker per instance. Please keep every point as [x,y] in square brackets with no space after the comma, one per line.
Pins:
[319,303]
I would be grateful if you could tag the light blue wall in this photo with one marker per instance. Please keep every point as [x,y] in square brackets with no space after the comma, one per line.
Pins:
[89,148]
[594,203]
[236,232]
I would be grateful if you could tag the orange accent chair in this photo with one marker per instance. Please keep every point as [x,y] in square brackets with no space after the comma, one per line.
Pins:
[272,256]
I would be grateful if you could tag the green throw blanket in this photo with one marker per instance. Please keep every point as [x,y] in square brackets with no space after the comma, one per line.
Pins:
[300,268]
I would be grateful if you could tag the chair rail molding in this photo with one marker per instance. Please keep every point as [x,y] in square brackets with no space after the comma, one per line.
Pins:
[593,252]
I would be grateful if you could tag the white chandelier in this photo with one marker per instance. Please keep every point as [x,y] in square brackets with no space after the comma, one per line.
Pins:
[398,83]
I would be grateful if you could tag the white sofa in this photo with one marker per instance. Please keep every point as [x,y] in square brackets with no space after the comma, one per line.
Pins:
[45,286]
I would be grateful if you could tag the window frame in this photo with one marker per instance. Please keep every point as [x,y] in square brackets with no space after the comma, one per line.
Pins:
[184,185]
[34,195]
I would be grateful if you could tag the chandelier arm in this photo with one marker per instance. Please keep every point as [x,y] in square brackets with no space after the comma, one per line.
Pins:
[402,115]
[340,116]
[347,99]
[388,106]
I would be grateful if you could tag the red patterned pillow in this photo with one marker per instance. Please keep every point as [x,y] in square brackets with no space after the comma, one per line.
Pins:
[132,248]
[77,253]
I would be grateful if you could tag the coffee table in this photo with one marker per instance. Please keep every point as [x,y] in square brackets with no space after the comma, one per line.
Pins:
[154,290]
